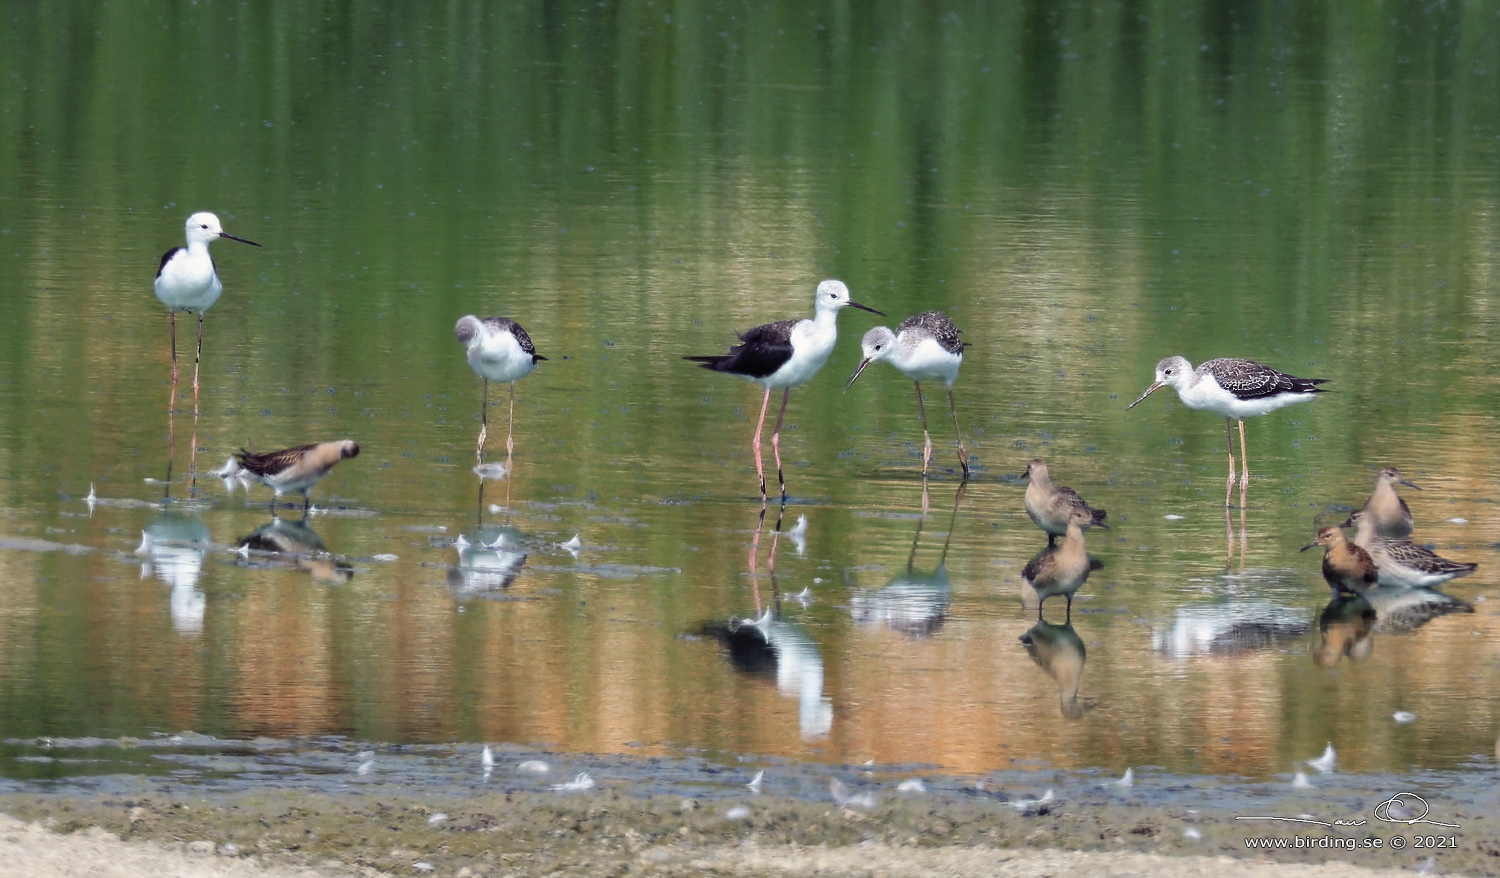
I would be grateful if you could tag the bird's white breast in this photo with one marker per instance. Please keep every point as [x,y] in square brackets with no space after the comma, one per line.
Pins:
[812,342]
[926,361]
[188,282]
[499,357]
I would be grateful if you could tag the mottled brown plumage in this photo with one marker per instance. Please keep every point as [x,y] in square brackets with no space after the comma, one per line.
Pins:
[1061,571]
[1347,568]
[1051,505]
[295,470]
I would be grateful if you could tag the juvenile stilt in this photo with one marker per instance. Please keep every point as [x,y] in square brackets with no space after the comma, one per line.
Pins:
[497,349]
[925,347]
[1234,389]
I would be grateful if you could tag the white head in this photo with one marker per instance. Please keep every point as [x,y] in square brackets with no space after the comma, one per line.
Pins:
[833,295]
[876,345]
[203,227]
[1174,372]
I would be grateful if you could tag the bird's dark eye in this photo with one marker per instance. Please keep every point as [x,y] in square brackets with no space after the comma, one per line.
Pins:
[204,226]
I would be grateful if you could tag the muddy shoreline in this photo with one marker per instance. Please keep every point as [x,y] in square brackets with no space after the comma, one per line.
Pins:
[405,820]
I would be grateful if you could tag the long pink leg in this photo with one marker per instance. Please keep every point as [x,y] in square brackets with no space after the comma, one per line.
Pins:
[1245,462]
[963,454]
[484,420]
[1229,449]
[199,357]
[926,436]
[776,442]
[760,468]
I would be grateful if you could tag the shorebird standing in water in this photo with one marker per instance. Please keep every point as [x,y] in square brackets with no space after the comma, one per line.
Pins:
[925,347]
[295,470]
[1063,570]
[499,350]
[1051,506]
[1403,562]
[1347,568]
[1386,508]
[784,354]
[186,280]
[1236,389]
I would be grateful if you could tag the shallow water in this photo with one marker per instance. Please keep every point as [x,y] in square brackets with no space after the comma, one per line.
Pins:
[1084,192]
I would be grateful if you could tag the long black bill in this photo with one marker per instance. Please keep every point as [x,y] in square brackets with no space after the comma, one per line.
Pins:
[866,308]
[241,240]
[863,364]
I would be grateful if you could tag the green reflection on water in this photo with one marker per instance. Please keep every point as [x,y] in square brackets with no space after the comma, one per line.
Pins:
[1084,188]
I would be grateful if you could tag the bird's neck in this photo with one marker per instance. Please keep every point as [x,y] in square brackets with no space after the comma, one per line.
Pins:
[1072,545]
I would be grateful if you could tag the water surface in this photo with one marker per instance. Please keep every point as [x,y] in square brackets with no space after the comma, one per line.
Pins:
[1084,188]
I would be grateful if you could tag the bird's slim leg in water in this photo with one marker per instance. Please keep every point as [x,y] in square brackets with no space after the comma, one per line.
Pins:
[1244,462]
[760,523]
[198,357]
[510,431]
[193,453]
[963,454]
[1229,450]
[171,433]
[484,420]
[926,436]
[760,467]
[776,442]
[172,323]
[1244,538]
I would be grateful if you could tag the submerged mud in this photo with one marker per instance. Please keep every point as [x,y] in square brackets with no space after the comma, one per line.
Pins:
[437,810]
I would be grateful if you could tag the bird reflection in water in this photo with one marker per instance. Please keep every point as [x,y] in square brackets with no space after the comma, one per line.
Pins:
[174,547]
[1058,650]
[1232,627]
[295,541]
[770,647]
[1348,625]
[915,604]
[490,557]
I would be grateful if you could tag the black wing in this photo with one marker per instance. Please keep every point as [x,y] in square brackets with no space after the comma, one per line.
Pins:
[167,257]
[761,351]
[269,463]
[936,324]
[1247,379]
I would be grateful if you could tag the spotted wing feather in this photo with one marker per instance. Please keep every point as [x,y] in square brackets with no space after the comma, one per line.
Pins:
[762,350]
[505,324]
[937,325]
[1409,554]
[1076,502]
[269,463]
[1247,379]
